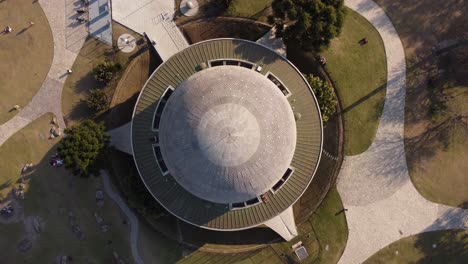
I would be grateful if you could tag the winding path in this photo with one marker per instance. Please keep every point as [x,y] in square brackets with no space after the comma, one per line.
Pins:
[383,205]
[130,215]
[68,40]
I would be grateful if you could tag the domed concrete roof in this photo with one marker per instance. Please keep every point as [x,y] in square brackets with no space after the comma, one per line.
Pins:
[227,134]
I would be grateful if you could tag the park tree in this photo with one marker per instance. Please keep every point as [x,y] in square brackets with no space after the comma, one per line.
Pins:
[325,96]
[311,24]
[83,147]
[97,100]
[105,71]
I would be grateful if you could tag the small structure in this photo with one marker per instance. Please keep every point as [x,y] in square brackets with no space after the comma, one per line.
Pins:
[126,43]
[301,253]
[189,7]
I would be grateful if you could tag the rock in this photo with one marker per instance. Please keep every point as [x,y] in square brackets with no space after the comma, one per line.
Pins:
[99,219]
[105,228]
[25,245]
[77,231]
[99,195]
[100,198]
[37,224]
[63,259]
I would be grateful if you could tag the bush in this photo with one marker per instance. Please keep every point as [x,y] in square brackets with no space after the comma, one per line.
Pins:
[83,147]
[325,96]
[97,100]
[105,71]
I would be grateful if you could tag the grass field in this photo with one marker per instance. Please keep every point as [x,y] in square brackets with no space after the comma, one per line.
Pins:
[445,247]
[26,146]
[360,76]
[330,228]
[78,84]
[26,54]
[52,194]
[436,153]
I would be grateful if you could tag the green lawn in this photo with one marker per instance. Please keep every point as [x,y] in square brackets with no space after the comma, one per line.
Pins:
[26,54]
[249,9]
[52,194]
[359,74]
[330,228]
[445,247]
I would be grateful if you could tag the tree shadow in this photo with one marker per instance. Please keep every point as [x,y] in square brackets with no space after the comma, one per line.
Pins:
[119,114]
[86,83]
[364,98]
[79,111]
[446,240]
[22,31]
[198,237]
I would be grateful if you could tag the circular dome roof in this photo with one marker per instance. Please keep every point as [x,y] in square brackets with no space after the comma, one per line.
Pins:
[227,134]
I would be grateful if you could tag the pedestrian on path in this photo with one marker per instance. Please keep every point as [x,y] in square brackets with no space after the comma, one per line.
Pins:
[31,23]
[363,41]
[69,71]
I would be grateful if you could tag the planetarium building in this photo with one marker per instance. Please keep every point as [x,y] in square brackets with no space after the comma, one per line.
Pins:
[227,135]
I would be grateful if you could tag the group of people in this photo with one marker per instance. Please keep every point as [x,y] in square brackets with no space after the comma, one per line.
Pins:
[56,161]
[81,11]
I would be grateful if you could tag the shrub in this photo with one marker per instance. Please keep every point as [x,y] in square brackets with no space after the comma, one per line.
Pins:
[97,100]
[105,71]
[83,147]
[325,96]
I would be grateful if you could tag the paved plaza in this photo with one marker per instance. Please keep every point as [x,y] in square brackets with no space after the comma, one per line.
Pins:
[153,17]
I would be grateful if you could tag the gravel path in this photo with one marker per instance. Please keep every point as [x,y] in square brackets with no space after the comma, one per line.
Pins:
[383,205]
[68,39]
[131,217]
